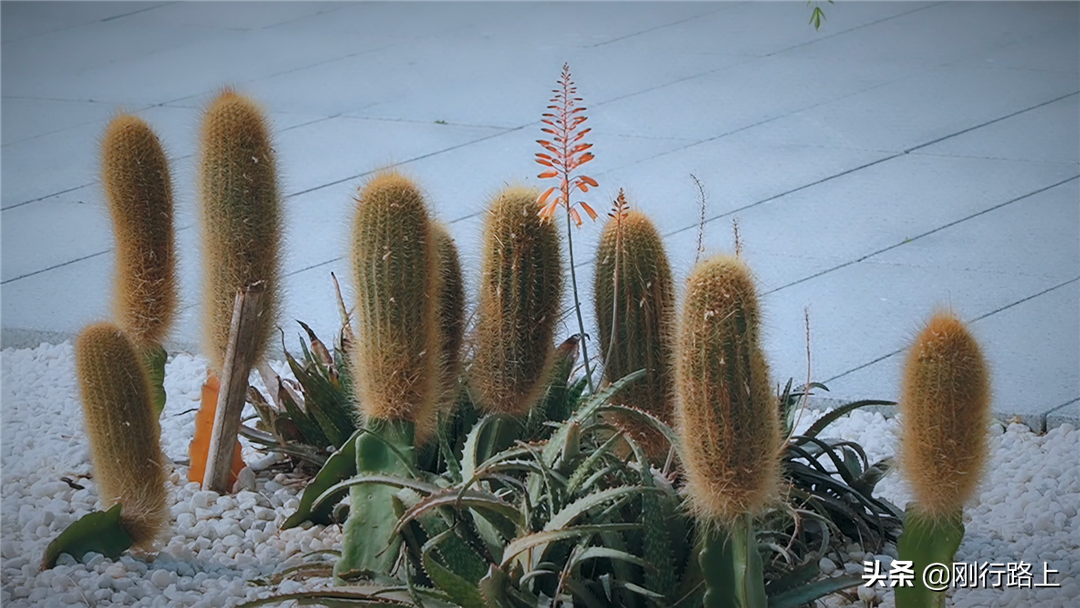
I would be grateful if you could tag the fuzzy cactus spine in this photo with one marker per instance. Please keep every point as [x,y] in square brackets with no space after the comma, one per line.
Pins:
[727,417]
[396,350]
[139,192]
[519,304]
[635,298]
[123,430]
[241,217]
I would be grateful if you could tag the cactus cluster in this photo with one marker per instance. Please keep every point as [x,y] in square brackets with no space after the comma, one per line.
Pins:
[241,218]
[520,298]
[123,430]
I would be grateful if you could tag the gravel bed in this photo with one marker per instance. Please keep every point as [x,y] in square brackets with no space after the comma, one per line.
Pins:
[220,549]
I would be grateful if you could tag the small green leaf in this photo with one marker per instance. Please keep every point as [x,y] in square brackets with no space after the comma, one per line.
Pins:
[99,531]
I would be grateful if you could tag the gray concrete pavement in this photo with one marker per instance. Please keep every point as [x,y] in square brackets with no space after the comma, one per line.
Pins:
[906,156]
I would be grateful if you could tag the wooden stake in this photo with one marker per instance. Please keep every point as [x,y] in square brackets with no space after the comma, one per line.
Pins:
[239,358]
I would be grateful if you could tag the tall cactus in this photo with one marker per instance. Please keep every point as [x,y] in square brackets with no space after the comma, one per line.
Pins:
[520,299]
[395,357]
[635,299]
[945,409]
[728,421]
[944,414]
[727,416]
[451,304]
[123,430]
[241,218]
[139,191]
[396,353]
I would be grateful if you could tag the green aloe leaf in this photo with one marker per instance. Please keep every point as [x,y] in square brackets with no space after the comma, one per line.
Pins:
[340,466]
[542,539]
[833,415]
[461,591]
[810,592]
[99,531]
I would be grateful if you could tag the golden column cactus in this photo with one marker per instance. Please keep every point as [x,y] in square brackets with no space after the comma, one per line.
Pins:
[726,414]
[520,299]
[945,410]
[451,304]
[396,353]
[241,218]
[123,430]
[139,192]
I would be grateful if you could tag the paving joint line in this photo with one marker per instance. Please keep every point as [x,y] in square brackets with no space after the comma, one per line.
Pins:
[990,122]
[974,320]
[927,233]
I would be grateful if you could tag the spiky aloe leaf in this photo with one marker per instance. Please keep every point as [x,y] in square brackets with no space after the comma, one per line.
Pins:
[461,590]
[545,538]
[833,415]
[656,540]
[340,466]
[810,592]
[98,531]
[462,558]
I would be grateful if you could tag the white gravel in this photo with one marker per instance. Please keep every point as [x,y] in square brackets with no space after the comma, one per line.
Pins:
[1027,508]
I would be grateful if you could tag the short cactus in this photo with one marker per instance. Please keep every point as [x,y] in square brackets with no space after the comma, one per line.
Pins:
[241,218]
[519,304]
[635,300]
[727,416]
[945,410]
[396,353]
[451,304]
[123,430]
[138,188]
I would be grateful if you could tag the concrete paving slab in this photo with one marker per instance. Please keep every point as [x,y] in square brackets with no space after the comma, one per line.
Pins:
[739,28]
[925,108]
[560,25]
[235,16]
[1066,414]
[862,213]
[1052,50]
[1015,341]
[46,65]
[202,65]
[738,96]
[958,31]
[1049,133]
[476,86]
[25,119]
[1024,238]
[26,19]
